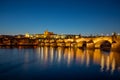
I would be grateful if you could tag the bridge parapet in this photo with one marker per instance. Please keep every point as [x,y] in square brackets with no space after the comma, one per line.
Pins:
[107,38]
[68,40]
[82,39]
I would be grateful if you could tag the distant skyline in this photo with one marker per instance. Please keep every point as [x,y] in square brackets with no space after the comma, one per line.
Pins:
[60,16]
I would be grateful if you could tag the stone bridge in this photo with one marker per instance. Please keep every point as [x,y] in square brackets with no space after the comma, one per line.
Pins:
[97,42]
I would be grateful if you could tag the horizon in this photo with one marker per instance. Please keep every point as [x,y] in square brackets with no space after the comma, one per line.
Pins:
[97,34]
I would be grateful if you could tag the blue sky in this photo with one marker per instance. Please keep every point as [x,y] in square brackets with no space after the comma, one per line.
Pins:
[59,16]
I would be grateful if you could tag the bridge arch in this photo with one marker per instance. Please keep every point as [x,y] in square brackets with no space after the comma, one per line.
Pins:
[90,41]
[84,45]
[90,44]
[96,40]
[103,44]
[81,44]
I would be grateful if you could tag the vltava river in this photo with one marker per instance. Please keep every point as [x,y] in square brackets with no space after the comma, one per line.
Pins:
[45,63]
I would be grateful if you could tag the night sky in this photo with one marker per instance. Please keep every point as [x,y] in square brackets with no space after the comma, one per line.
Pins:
[59,16]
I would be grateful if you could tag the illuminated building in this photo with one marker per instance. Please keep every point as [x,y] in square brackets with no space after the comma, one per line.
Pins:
[48,34]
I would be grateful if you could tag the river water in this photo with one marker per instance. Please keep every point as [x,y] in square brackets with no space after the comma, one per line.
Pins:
[48,63]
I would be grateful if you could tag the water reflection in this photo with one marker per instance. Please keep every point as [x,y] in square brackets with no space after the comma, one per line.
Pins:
[54,63]
[68,56]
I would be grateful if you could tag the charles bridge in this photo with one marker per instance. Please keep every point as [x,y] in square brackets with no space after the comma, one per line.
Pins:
[100,42]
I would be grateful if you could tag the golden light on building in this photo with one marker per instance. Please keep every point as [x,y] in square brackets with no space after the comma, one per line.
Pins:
[27,35]
[47,34]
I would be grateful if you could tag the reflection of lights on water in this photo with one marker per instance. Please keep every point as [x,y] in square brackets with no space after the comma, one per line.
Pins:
[68,60]
[113,66]
[38,49]
[82,58]
[87,59]
[102,63]
[46,54]
[26,56]
[26,59]
[67,55]
[38,52]
[97,56]
[79,56]
[56,55]
[108,63]
[51,54]
[42,57]
[70,56]
[59,54]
